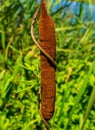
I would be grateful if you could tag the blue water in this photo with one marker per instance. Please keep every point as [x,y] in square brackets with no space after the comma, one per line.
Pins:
[88,14]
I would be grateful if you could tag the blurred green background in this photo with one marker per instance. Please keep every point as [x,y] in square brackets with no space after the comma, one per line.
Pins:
[20,66]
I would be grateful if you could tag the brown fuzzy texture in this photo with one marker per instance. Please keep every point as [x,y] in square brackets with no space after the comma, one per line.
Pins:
[48,85]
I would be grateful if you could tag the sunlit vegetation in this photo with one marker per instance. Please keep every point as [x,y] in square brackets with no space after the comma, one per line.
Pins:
[20,67]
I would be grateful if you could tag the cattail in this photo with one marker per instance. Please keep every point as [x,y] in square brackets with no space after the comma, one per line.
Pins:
[48,43]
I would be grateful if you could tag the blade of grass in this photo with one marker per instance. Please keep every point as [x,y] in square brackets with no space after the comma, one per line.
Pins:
[2,36]
[84,39]
[29,124]
[70,28]
[89,106]
[90,4]
[82,90]
[6,86]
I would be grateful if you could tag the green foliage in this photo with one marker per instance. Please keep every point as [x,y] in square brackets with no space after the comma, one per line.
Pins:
[20,69]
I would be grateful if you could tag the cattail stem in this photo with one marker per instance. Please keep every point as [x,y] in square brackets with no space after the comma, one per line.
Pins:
[39,101]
